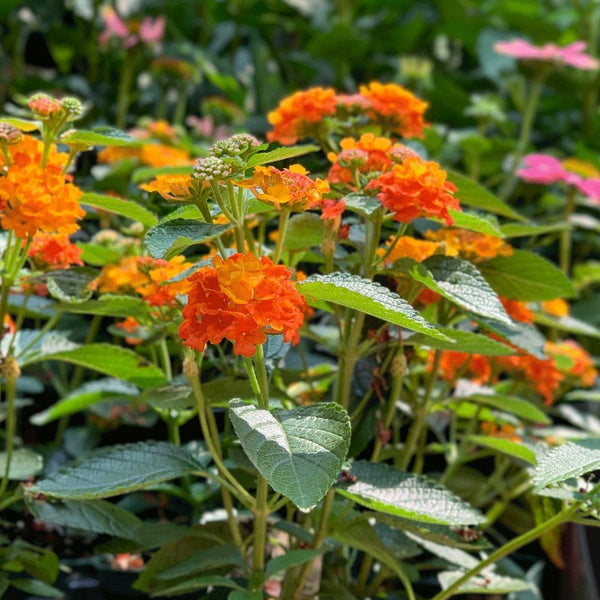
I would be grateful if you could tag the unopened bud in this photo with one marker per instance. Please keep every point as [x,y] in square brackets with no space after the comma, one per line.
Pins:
[442,248]
[352,158]
[236,145]
[9,134]
[44,106]
[398,368]
[399,153]
[328,247]
[190,366]
[73,108]
[10,369]
[211,168]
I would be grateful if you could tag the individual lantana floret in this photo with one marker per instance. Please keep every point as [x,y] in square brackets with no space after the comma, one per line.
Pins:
[395,108]
[299,115]
[470,245]
[54,251]
[242,299]
[289,188]
[416,188]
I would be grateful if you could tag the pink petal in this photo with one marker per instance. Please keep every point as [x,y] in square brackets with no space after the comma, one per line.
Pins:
[591,188]
[152,32]
[113,23]
[542,168]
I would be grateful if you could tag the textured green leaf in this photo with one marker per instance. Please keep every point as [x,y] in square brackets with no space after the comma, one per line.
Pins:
[105,358]
[290,559]
[464,341]
[522,335]
[386,489]
[71,285]
[119,206]
[299,452]
[100,136]
[98,516]
[569,324]
[368,297]
[571,460]
[472,194]
[460,282]
[511,404]
[174,395]
[172,237]
[24,464]
[509,447]
[120,469]
[526,276]
[283,153]
[304,230]
[89,393]
[363,205]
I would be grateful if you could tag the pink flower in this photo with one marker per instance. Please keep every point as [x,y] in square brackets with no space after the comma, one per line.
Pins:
[591,188]
[151,31]
[544,169]
[572,55]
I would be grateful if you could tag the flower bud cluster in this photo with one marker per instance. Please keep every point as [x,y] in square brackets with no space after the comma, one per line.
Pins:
[212,168]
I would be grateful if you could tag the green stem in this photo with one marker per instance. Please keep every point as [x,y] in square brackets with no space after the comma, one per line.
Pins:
[166,358]
[124,93]
[284,217]
[11,374]
[565,234]
[508,548]
[527,122]
[259,536]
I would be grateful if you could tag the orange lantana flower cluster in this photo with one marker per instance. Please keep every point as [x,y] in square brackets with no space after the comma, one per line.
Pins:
[517,310]
[147,277]
[241,299]
[54,251]
[470,245]
[416,188]
[409,247]
[35,199]
[579,364]
[171,187]
[291,187]
[390,106]
[454,364]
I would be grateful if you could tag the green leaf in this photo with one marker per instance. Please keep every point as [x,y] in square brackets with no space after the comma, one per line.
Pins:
[24,464]
[245,595]
[145,173]
[303,231]
[509,447]
[363,205]
[210,558]
[110,305]
[35,587]
[172,237]
[174,395]
[514,230]
[125,208]
[386,489]
[490,583]
[299,452]
[511,404]
[368,297]
[89,393]
[98,255]
[100,136]
[283,153]
[586,274]
[472,194]
[522,335]
[290,559]
[71,285]
[460,282]
[568,323]
[193,584]
[105,358]
[117,470]
[464,341]
[571,460]
[474,222]
[98,516]
[526,276]
[22,124]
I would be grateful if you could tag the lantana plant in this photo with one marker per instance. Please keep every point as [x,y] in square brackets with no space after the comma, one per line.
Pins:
[374,358]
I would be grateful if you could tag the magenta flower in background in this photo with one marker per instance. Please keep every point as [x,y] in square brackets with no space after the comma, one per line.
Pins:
[591,188]
[151,31]
[544,169]
[573,54]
